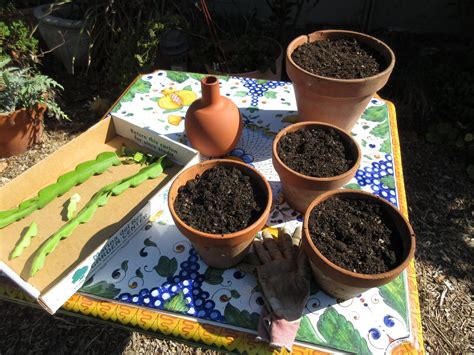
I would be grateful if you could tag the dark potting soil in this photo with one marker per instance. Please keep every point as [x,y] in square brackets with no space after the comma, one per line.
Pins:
[316,152]
[355,235]
[341,59]
[220,201]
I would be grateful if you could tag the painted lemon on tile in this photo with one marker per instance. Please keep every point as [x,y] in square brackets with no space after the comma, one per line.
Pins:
[174,120]
[272,230]
[175,99]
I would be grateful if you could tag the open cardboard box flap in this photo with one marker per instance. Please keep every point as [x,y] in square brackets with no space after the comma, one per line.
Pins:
[67,267]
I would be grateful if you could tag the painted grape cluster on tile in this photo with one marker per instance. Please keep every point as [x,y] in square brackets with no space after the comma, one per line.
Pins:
[159,269]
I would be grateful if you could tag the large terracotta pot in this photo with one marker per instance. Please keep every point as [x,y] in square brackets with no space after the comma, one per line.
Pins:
[20,130]
[213,124]
[344,284]
[300,190]
[336,101]
[217,250]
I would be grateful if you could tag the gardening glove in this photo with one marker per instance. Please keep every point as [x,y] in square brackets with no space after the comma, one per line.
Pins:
[283,275]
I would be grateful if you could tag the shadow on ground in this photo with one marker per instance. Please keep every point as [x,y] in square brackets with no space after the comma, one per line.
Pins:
[440,195]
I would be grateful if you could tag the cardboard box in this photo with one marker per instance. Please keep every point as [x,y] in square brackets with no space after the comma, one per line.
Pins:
[93,242]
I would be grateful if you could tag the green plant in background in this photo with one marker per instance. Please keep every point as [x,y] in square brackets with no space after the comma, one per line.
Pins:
[234,43]
[137,51]
[18,44]
[248,54]
[17,40]
[22,88]
[125,35]
[285,14]
[147,45]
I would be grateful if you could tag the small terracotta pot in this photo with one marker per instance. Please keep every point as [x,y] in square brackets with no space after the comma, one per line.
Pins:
[213,124]
[20,130]
[336,101]
[220,250]
[344,284]
[300,190]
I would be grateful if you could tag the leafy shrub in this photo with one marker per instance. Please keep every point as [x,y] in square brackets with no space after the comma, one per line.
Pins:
[17,42]
[124,35]
[21,88]
[136,51]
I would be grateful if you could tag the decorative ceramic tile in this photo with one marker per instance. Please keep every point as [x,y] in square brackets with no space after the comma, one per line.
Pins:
[159,268]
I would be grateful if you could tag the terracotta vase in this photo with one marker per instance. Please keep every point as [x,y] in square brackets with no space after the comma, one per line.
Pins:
[20,130]
[344,284]
[213,124]
[300,190]
[217,250]
[336,101]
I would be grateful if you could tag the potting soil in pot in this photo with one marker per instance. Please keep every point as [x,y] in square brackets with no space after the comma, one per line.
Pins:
[341,59]
[220,201]
[316,152]
[355,235]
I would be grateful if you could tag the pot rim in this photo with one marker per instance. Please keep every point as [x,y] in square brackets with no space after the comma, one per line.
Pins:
[347,273]
[386,71]
[43,15]
[40,107]
[304,125]
[211,163]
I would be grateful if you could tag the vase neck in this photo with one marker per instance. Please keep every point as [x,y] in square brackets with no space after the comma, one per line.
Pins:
[210,90]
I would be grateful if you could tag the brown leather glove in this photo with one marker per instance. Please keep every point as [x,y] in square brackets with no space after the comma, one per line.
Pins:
[284,278]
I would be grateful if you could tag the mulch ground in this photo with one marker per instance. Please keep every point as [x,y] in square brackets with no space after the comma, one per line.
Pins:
[441,208]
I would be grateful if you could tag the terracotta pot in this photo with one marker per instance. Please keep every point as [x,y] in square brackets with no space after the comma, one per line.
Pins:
[213,124]
[69,40]
[344,284]
[300,190]
[257,74]
[220,250]
[336,101]
[20,130]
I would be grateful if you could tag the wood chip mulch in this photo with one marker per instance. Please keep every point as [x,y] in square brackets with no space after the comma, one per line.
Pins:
[441,208]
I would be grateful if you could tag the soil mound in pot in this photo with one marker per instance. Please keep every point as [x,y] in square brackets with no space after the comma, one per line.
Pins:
[316,152]
[343,58]
[355,235]
[222,200]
